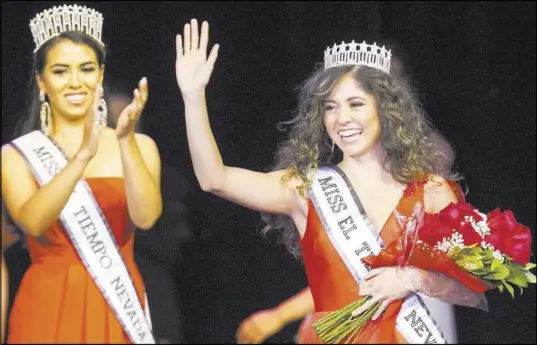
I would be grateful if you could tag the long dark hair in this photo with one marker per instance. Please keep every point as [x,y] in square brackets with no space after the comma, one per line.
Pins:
[30,120]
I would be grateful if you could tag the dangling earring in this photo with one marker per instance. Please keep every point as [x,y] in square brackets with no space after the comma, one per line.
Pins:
[333,144]
[102,111]
[44,114]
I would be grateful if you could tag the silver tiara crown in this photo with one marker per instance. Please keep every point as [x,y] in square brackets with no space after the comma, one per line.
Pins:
[52,22]
[362,54]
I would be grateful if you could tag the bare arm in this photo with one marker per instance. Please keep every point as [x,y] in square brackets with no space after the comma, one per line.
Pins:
[141,163]
[446,289]
[296,307]
[141,168]
[265,323]
[257,191]
[33,209]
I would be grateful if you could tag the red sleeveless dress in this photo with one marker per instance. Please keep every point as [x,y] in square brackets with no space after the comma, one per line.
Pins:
[58,301]
[332,285]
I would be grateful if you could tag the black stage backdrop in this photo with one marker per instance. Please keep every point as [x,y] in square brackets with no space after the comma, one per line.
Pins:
[473,62]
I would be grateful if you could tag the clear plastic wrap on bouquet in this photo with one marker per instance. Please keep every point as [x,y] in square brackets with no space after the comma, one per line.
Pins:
[426,269]
[459,253]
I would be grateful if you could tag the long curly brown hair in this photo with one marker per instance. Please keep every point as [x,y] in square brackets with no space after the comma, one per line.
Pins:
[405,135]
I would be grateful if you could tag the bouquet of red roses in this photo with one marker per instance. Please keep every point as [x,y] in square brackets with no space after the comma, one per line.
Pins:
[481,251]
[493,247]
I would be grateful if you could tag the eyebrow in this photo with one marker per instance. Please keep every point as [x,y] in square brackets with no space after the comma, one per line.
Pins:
[65,65]
[348,99]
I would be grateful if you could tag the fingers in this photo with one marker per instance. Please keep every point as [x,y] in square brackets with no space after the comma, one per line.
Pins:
[97,94]
[214,54]
[179,46]
[97,129]
[374,272]
[364,307]
[140,98]
[204,36]
[186,35]
[195,34]
[209,64]
[368,287]
[383,305]
[144,90]
[192,39]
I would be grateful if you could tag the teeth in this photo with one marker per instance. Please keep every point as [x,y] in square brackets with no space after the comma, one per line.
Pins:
[350,132]
[76,99]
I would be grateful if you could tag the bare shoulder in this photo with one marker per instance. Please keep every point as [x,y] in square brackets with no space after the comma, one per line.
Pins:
[18,184]
[8,151]
[437,194]
[12,159]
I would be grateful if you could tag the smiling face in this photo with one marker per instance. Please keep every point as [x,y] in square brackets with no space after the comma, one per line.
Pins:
[69,79]
[351,118]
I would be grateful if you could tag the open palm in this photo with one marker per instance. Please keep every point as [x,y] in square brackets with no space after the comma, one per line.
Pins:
[192,68]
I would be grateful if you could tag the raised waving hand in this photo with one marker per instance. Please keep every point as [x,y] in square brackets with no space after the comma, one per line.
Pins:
[192,67]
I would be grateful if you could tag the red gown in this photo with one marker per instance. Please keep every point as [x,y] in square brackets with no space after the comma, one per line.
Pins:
[58,301]
[332,285]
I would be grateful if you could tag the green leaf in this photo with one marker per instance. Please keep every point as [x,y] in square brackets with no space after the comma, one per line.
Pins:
[471,264]
[500,273]
[509,288]
[488,253]
[530,265]
[530,277]
[517,277]
[495,263]
[482,271]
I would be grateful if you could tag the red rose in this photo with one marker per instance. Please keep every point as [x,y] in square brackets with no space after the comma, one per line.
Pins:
[505,220]
[497,238]
[508,236]
[433,230]
[470,235]
[499,231]
[518,245]
[453,214]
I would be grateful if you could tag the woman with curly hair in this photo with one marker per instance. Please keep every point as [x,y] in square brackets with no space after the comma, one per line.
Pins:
[357,163]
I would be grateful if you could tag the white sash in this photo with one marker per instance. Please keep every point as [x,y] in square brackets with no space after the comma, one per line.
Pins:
[90,234]
[353,236]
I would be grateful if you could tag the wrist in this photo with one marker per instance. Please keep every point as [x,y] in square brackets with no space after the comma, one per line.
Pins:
[412,278]
[83,157]
[126,140]
[281,315]
[193,97]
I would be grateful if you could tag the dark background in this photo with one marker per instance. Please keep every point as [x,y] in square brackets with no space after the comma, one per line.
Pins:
[473,62]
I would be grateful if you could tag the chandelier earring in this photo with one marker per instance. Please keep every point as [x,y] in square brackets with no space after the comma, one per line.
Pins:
[45,114]
[333,144]
[101,115]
